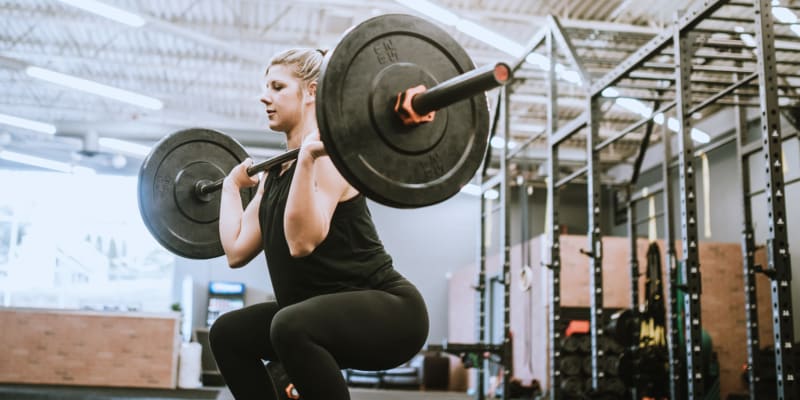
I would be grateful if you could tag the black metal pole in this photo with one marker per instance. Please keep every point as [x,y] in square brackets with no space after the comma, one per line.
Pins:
[554,334]
[778,259]
[748,250]
[683,42]
[505,221]
[461,87]
[670,260]
[595,243]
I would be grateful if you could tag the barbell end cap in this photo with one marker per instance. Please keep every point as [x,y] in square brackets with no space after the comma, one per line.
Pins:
[502,73]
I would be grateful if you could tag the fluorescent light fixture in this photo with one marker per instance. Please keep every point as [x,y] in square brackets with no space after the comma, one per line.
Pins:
[432,10]
[491,194]
[700,136]
[107,11]
[124,146]
[748,39]
[498,143]
[95,88]
[491,38]
[784,15]
[610,92]
[673,124]
[27,124]
[634,105]
[538,60]
[43,163]
[569,75]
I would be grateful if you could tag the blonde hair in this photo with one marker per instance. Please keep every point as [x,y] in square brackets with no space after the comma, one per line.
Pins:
[306,62]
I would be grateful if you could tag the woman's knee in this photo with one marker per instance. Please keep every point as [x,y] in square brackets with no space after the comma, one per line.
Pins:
[222,332]
[288,328]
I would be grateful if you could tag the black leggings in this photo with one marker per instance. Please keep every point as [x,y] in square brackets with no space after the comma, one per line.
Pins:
[316,338]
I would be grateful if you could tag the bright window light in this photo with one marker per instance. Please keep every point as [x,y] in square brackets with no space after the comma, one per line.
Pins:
[95,88]
[107,11]
[43,163]
[27,124]
[659,118]
[784,15]
[124,146]
[795,28]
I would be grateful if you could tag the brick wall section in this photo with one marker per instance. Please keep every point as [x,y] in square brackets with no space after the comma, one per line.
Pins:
[88,348]
[722,301]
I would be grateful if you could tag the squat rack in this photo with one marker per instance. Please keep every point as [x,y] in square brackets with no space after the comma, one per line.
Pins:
[679,85]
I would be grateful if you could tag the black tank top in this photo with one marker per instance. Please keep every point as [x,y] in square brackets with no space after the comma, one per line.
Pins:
[351,257]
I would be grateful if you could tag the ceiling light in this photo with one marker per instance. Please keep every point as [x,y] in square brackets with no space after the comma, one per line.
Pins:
[634,105]
[124,146]
[43,162]
[610,92]
[784,15]
[485,35]
[700,136]
[497,142]
[748,39]
[27,124]
[107,11]
[491,194]
[432,10]
[95,88]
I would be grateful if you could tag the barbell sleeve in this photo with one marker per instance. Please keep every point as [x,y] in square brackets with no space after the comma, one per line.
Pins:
[461,87]
[206,187]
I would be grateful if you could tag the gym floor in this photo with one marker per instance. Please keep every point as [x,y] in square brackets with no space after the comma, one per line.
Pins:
[46,392]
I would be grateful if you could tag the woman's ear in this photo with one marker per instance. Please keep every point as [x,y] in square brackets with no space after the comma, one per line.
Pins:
[311,92]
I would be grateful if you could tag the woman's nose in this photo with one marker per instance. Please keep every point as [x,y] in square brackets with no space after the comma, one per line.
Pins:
[265,97]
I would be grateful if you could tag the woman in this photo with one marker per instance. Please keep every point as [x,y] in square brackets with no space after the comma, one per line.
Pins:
[340,302]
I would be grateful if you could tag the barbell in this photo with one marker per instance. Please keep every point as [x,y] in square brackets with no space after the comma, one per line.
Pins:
[402,112]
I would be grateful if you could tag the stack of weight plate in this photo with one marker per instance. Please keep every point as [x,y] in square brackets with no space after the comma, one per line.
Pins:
[611,386]
[574,350]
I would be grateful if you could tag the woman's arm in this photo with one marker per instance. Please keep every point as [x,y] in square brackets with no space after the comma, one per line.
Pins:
[317,187]
[239,230]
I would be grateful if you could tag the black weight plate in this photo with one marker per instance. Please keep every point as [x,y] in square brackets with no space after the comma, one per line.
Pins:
[182,222]
[389,162]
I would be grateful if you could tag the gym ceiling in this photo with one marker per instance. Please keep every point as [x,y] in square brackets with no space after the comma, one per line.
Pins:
[200,63]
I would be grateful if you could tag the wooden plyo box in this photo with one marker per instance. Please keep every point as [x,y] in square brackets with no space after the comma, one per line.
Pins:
[63,347]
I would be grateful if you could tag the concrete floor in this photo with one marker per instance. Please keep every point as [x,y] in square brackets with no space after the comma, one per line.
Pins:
[47,392]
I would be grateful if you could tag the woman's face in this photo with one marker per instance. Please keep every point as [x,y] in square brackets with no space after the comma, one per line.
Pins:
[284,97]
